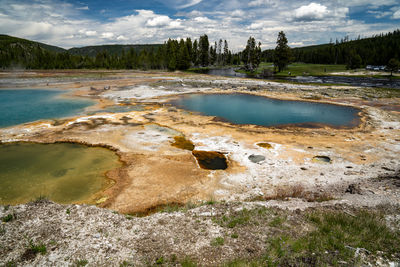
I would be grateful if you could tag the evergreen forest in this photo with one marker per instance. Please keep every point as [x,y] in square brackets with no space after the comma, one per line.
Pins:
[17,53]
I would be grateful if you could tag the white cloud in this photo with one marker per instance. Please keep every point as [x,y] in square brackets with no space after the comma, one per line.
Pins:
[83,8]
[374,3]
[191,14]
[122,38]
[256,3]
[107,35]
[190,3]
[255,26]
[238,13]
[379,14]
[175,24]
[91,33]
[59,23]
[396,15]
[202,19]
[311,12]
[158,21]
[294,44]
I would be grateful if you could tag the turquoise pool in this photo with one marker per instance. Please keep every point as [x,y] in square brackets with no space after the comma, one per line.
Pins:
[21,106]
[258,110]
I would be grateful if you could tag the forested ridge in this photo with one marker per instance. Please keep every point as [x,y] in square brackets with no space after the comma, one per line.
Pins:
[375,50]
[186,53]
[172,55]
[115,49]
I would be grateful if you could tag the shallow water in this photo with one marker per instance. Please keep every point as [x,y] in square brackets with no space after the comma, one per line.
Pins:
[21,106]
[258,110]
[64,173]
[346,80]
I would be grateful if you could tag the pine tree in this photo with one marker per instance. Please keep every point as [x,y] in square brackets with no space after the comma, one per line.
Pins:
[183,59]
[393,65]
[189,47]
[226,58]
[251,56]
[219,52]
[354,60]
[195,53]
[203,50]
[282,55]
[172,47]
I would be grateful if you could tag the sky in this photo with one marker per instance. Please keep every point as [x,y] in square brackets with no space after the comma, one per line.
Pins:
[71,23]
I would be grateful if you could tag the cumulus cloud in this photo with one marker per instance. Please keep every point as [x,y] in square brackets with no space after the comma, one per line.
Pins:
[107,35]
[255,26]
[202,19]
[59,23]
[396,15]
[158,21]
[91,33]
[238,13]
[311,12]
[122,38]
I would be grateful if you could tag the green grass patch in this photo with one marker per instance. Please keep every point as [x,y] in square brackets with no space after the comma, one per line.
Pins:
[219,241]
[277,221]
[243,217]
[304,69]
[81,262]
[334,238]
[234,235]
[160,260]
[177,207]
[37,248]
[299,69]
[8,218]
[188,262]
[10,264]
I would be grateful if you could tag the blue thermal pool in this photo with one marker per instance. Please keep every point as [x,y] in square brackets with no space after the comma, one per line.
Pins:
[263,111]
[21,106]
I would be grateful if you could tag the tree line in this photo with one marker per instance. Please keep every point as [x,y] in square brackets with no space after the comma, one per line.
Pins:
[376,50]
[172,55]
[185,53]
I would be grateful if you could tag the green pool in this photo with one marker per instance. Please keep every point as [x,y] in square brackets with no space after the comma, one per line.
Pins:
[63,172]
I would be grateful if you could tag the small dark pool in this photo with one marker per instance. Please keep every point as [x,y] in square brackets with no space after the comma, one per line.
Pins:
[258,110]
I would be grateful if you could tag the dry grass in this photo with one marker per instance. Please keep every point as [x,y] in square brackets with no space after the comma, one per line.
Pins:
[298,191]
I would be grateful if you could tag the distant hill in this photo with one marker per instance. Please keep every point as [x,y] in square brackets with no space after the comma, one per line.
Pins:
[92,51]
[21,53]
[7,42]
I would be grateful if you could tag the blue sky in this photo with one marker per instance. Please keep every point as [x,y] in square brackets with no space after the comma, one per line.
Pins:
[70,23]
